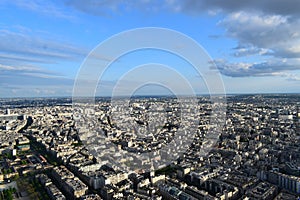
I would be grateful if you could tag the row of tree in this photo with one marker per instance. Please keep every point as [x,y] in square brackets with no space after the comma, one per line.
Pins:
[7,194]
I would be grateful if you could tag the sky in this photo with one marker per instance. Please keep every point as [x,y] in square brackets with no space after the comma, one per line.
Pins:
[255,45]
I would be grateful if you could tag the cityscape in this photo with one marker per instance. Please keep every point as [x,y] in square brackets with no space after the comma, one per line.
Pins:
[149,100]
[256,155]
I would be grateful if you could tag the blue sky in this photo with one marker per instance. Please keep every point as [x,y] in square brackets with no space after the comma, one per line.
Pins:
[255,44]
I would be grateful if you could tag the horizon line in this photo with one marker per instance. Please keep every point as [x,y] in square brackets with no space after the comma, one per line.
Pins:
[155,95]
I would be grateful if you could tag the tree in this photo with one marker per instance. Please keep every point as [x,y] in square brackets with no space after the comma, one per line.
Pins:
[8,194]
[14,190]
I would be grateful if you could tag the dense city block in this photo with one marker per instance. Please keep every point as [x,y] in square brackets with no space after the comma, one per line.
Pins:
[48,152]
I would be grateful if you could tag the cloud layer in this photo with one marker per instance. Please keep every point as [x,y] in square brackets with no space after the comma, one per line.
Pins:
[264,28]
[100,7]
[24,47]
[265,35]
[26,58]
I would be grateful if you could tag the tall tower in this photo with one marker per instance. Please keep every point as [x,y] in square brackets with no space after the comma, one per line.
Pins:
[8,111]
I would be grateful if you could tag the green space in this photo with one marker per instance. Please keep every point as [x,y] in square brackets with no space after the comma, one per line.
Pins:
[39,148]
[31,188]
[7,194]
[166,170]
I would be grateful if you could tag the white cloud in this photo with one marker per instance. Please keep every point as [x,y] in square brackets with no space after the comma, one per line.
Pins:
[47,8]
[274,36]
[250,50]
[266,68]
[261,31]
[18,68]
[262,28]
[19,47]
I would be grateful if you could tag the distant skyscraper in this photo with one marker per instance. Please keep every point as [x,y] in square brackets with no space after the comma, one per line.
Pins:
[8,111]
